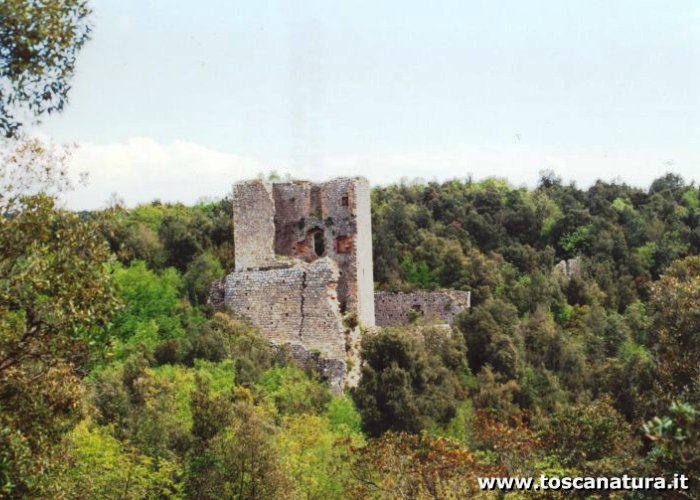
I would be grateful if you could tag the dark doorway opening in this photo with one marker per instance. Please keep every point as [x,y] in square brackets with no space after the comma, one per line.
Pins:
[319,244]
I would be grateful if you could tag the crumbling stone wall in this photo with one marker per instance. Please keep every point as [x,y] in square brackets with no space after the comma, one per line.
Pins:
[295,306]
[401,309]
[334,371]
[253,228]
[303,266]
[330,219]
[568,268]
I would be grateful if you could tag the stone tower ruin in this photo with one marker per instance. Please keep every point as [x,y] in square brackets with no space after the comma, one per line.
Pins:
[303,269]
[303,273]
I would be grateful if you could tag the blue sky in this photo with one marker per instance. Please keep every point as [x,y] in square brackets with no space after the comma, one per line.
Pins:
[177,100]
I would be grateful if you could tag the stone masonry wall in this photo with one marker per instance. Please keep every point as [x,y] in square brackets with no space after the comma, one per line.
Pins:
[253,227]
[568,268]
[295,305]
[303,266]
[401,309]
[330,219]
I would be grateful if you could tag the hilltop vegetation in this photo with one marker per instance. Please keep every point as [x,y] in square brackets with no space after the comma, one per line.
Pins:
[117,381]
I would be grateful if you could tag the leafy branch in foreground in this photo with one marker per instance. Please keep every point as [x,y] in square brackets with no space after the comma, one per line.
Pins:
[39,43]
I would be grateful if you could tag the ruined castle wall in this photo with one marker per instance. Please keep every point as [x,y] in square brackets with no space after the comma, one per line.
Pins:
[292,206]
[303,262]
[321,322]
[336,213]
[296,305]
[338,199]
[401,309]
[253,227]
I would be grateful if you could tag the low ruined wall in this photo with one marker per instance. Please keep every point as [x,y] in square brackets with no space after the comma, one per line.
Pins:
[401,309]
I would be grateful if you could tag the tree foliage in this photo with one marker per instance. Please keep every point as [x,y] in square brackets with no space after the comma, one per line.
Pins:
[675,330]
[56,301]
[405,385]
[39,43]
[675,437]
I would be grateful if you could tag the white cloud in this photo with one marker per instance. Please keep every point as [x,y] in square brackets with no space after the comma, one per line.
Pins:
[142,169]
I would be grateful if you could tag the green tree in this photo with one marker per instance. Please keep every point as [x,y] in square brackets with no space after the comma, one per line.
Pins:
[97,465]
[39,43]
[675,330]
[225,338]
[201,273]
[56,300]
[233,456]
[417,273]
[489,333]
[292,391]
[675,439]
[311,456]
[392,371]
[405,388]
[184,235]
[592,437]
[153,311]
